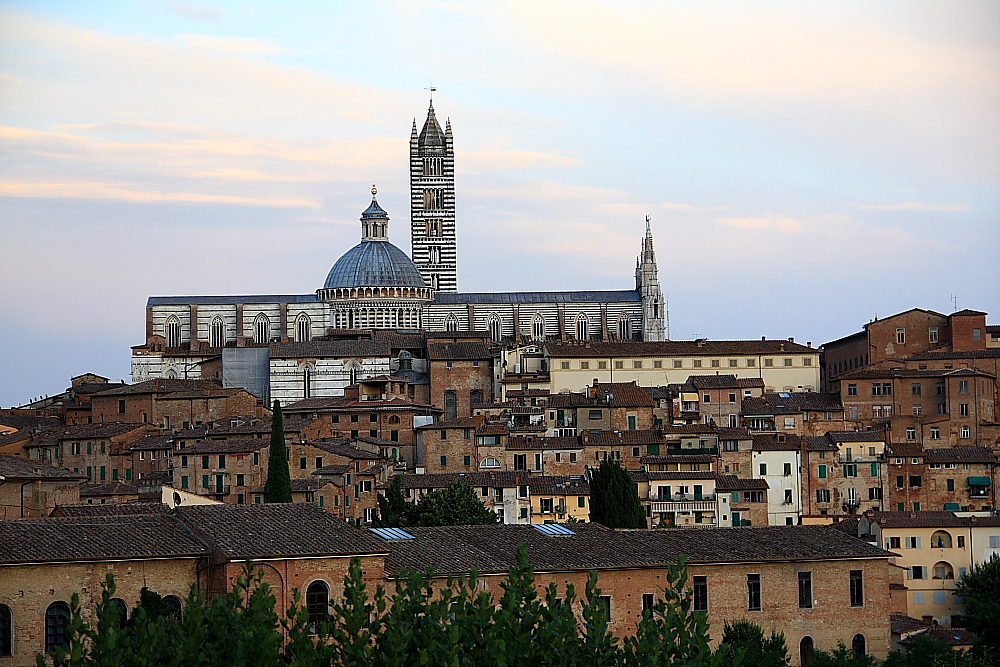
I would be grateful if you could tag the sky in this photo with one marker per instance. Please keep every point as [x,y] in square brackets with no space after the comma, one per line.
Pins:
[807,166]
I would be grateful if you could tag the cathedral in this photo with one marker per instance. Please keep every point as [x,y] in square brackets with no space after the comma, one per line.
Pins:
[376,286]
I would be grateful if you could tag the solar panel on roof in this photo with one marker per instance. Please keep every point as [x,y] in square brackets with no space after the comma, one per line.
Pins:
[392,533]
[784,394]
[553,529]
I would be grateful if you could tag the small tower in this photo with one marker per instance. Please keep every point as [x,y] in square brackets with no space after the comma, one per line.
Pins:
[647,283]
[374,221]
[432,203]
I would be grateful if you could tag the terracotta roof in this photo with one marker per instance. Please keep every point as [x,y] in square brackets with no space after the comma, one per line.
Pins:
[17,467]
[619,438]
[966,312]
[819,443]
[988,353]
[723,382]
[527,393]
[30,422]
[460,422]
[155,442]
[677,458]
[847,525]
[331,348]
[733,483]
[213,392]
[244,446]
[299,485]
[951,636]
[493,549]
[505,479]
[522,443]
[856,436]
[676,348]
[110,509]
[556,485]
[111,489]
[237,532]
[888,374]
[96,538]
[689,429]
[332,470]
[907,449]
[771,442]
[786,403]
[960,455]
[459,351]
[159,386]
[932,520]
[341,448]
[623,395]
[493,428]
[729,433]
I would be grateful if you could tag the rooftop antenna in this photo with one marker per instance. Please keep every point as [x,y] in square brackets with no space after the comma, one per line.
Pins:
[954,303]
[430,87]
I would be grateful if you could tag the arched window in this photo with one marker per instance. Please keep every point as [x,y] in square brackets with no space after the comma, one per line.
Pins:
[172,332]
[538,328]
[217,334]
[171,374]
[174,606]
[307,382]
[6,631]
[496,332]
[303,328]
[582,327]
[56,623]
[120,611]
[490,463]
[624,330]
[261,329]
[858,645]
[394,419]
[317,603]
[806,650]
[943,570]
[451,324]
[476,397]
[352,372]
[941,539]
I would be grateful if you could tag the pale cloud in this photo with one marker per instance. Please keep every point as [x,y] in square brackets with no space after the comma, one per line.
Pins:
[199,12]
[235,45]
[912,206]
[122,192]
[493,159]
[769,221]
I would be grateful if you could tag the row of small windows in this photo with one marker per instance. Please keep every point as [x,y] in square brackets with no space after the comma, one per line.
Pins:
[57,619]
[217,330]
[581,327]
[675,363]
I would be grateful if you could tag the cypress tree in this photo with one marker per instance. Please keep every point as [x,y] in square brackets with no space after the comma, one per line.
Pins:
[614,497]
[278,488]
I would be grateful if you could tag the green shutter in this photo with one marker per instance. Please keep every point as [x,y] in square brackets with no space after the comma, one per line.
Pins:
[822,471]
[736,496]
[951,485]
[184,482]
[653,450]
[874,470]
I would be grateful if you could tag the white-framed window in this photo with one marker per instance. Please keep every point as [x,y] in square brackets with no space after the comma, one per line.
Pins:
[172,332]
[303,328]
[261,329]
[624,330]
[451,323]
[538,327]
[966,432]
[582,327]
[490,463]
[369,514]
[217,333]
[307,375]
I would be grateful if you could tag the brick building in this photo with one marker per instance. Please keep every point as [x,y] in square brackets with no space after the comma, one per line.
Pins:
[706,399]
[173,403]
[798,413]
[843,473]
[461,373]
[949,479]
[97,450]
[32,489]
[742,500]
[770,575]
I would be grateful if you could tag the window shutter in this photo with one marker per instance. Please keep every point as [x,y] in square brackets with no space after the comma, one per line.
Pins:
[909,573]
[919,544]
[924,569]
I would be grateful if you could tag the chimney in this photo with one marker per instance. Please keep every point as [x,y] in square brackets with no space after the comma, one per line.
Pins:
[809,343]
[763,337]
[791,339]
[974,519]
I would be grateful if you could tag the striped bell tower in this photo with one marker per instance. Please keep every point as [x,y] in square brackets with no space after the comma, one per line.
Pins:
[432,203]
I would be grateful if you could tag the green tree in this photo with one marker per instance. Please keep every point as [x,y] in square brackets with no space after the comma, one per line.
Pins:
[614,497]
[982,604]
[393,510]
[747,639]
[278,487]
[454,505]
[843,657]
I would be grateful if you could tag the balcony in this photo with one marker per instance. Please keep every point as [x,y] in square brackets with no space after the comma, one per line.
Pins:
[537,427]
[683,506]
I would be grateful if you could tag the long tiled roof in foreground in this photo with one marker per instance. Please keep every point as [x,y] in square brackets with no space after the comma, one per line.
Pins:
[493,549]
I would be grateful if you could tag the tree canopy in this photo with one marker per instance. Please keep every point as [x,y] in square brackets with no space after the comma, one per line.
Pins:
[278,487]
[980,588]
[758,650]
[614,498]
[454,505]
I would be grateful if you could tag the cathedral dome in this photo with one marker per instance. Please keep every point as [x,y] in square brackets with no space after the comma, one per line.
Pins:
[374,264]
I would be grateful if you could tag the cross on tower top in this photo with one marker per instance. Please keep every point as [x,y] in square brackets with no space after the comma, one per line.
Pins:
[430,87]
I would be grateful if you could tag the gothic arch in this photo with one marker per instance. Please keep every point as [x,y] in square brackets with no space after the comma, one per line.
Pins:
[303,328]
[451,323]
[308,378]
[353,369]
[538,327]
[495,327]
[172,332]
[217,333]
[624,327]
[261,329]
[582,327]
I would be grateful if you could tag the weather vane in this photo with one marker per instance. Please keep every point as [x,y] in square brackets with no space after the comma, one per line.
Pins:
[430,87]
